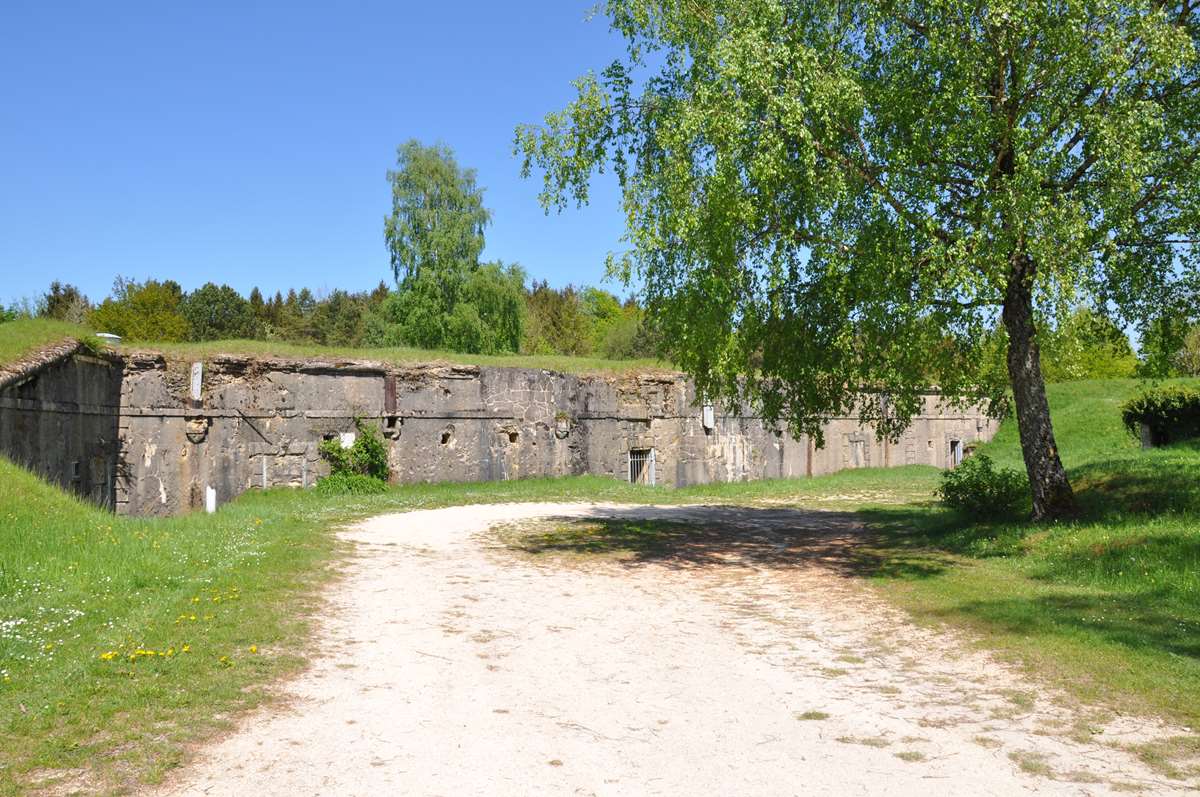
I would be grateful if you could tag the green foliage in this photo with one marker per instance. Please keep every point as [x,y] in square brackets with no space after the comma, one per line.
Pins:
[1163,340]
[351,484]
[218,312]
[486,315]
[980,489]
[556,322]
[367,456]
[1172,413]
[436,225]
[149,310]
[494,295]
[65,302]
[1087,345]
[1187,357]
[822,195]
[340,320]
[445,298]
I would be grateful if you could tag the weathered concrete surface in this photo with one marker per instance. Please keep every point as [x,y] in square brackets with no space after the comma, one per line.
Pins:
[129,432]
[259,423]
[59,417]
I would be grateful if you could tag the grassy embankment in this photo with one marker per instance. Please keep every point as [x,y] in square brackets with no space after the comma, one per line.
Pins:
[403,355]
[24,336]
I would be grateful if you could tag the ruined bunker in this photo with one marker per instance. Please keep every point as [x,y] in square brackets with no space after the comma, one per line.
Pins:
[148,435]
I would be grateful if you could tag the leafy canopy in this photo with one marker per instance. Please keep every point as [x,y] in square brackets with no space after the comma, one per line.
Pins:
[446,299]
[827,194]
[147,310]
[218,312]
[437,219]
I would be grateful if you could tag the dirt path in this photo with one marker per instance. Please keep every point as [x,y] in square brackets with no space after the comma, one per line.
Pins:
[451,665]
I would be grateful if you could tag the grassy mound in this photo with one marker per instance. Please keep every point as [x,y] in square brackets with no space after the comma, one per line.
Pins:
[405,355]
[27,335]
[1107,606]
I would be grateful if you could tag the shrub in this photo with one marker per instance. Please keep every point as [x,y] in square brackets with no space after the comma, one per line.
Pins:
[350,484]
[366,457]
[1172,413]
[977,487]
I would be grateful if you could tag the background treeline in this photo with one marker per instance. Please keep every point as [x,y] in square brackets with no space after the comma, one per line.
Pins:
[444,296]
[587,322]
[583,322]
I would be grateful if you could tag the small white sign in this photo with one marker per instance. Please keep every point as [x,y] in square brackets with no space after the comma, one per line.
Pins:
[348,439]
[210,500]
[197,379]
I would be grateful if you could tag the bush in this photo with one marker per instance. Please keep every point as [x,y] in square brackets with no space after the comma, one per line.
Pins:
[366,457]
[350,484]
[1172,413]
[979,488]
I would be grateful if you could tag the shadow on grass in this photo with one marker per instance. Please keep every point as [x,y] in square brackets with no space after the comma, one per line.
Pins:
[1141,622]
[1153,482]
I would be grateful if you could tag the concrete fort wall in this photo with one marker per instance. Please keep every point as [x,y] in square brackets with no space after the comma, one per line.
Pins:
[242,423]
[59,417]
[146,435]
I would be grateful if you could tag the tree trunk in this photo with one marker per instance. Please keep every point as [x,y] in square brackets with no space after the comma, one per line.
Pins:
[1053,498]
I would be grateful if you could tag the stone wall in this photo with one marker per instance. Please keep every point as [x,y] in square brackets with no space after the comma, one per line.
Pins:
[150,436]
[59,418]
[256,423]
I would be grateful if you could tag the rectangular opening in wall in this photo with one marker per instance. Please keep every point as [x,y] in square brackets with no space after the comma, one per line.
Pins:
[641,466]
[956,453]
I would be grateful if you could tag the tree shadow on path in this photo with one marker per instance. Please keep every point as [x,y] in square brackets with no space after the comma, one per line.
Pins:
[725,536]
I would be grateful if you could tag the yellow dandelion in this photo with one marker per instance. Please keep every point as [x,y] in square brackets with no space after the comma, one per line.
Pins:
[254,648]
[187,648]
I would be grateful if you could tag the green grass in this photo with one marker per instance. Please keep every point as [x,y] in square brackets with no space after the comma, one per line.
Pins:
[27,335]
[402,355]
[1108,606]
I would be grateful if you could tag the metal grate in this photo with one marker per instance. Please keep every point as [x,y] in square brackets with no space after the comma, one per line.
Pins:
[641,466]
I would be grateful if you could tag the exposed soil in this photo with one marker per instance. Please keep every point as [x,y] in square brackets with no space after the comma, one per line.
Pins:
[741,659]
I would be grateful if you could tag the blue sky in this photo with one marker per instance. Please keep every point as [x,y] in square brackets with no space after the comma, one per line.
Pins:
[247,142]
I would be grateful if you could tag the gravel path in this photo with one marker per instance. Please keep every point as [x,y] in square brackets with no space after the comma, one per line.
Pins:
[746,664]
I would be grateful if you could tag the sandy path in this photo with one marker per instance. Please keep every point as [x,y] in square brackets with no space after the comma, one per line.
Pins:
[451,666]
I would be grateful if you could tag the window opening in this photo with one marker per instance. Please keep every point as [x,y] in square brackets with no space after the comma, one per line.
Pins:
[641,466]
